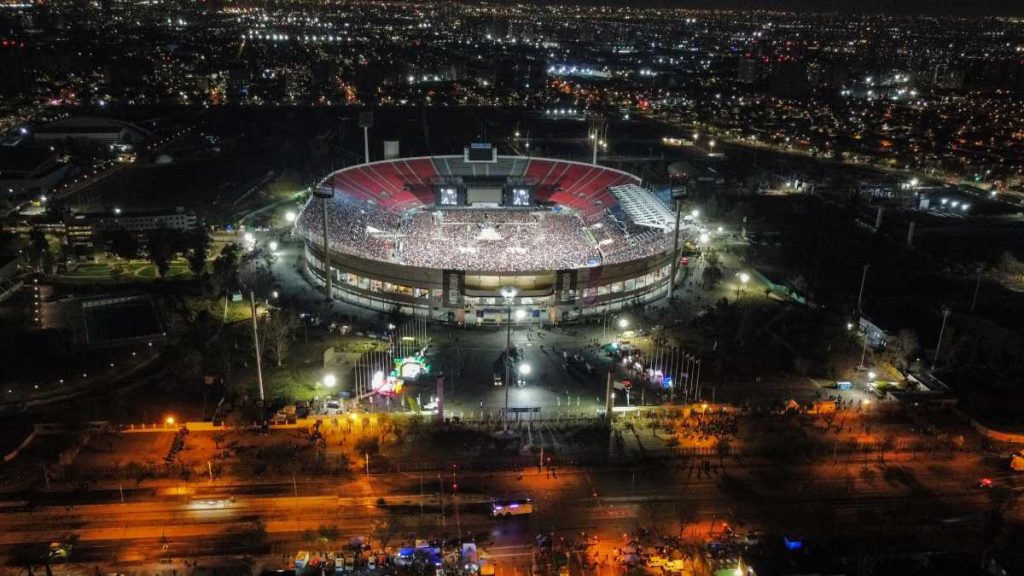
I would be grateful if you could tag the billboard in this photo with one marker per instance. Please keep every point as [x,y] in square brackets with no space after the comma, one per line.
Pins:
[391,149]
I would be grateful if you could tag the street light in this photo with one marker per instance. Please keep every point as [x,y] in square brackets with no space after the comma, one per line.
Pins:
[289,216]
[695,213]
[273,245]
[704,238]
[744,278]
[871,376]
[170,420]
[524,369]
[520,315]
[330,380]
[623,323]
[509,293]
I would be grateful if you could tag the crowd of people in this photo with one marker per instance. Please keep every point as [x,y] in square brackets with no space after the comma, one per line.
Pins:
[486,240]
[622,241]
[495,241]
[356,228]
[712,425]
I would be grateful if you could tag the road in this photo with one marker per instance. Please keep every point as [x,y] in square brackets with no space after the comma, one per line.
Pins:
[933,500]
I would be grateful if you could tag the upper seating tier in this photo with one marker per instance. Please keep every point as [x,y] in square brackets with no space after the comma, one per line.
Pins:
[399,185]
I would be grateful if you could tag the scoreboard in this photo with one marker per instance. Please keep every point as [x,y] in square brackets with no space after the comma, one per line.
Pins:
[480,152]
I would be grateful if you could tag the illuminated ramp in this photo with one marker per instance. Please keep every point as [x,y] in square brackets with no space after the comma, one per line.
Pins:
[642,207]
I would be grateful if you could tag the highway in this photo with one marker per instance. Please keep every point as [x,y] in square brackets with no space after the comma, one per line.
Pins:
[932,500]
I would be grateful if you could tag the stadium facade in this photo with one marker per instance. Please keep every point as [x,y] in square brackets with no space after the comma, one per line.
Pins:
[441,237]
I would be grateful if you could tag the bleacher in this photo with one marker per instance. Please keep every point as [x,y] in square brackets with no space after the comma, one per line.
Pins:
[399,185]
[582,187]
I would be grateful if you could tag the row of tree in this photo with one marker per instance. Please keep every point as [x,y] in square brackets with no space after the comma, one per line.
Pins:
[162,246]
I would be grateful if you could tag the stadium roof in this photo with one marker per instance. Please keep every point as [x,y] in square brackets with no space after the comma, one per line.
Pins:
[642,207]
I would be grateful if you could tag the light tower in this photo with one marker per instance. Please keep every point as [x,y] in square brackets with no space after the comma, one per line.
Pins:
[366,122]
[596,132]
[325,192]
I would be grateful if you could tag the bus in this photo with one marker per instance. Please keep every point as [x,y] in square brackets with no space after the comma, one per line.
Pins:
[516,507]
[210,502]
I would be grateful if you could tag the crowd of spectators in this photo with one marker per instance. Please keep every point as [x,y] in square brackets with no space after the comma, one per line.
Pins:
[495,241]
[486,240]
[622,241]
[356,228]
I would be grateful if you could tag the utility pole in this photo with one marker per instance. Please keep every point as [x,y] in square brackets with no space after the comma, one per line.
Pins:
[945,315]
[256,348]
[509,293]
[863,349]
[675,252]
[977,287]
[596,124]
[863,280]
[366,122]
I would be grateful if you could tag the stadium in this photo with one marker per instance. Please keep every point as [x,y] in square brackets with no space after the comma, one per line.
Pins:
[446,236]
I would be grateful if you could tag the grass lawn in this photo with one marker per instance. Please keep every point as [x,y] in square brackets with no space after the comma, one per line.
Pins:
[236,311]
[116,271]
[178,269]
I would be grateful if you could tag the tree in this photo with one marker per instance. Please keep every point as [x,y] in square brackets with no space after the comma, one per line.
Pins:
[711,276]
[38,249]
[225,270]
[278,328]
[124,244]
[383,530]
[1010,265]
[162,248]
[254,275]
[901,348]
[197,247]
[327,535]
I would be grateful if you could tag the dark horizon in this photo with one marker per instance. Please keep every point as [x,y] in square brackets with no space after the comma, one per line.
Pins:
[893,7]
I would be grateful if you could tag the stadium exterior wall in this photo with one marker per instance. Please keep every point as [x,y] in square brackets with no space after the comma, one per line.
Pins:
[420,291]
